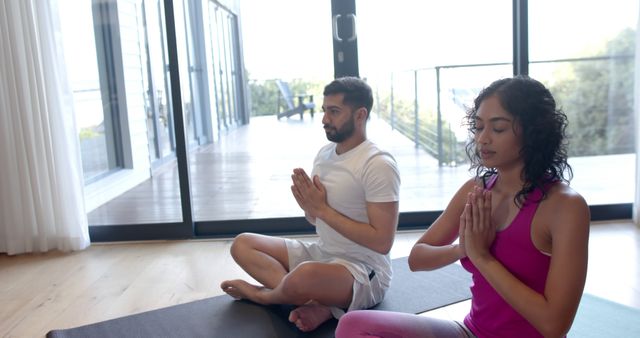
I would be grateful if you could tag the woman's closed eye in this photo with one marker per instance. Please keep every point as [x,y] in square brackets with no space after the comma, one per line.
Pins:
[500,126]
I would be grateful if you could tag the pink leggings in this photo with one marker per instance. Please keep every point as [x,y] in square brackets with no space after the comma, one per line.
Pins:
[372,323]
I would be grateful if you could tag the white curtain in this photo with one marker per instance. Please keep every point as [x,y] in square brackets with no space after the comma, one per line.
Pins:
[41,187]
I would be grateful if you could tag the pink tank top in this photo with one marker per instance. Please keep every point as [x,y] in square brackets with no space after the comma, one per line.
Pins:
[490,315]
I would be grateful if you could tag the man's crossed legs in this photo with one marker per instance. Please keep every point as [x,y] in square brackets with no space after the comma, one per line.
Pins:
[314,287]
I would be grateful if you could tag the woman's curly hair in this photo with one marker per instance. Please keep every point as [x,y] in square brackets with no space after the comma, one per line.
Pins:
[543,128]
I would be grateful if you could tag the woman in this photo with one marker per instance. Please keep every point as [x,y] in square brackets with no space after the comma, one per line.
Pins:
[521,231]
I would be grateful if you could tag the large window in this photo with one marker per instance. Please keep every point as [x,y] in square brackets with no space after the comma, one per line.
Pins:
[119,63]
[96,119]
[588,62]
[245,173]
[426,61]
[161,137]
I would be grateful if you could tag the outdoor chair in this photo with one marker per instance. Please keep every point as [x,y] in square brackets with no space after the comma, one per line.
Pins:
[292,107]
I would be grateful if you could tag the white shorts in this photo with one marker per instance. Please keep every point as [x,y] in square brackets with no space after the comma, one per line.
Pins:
[367,289]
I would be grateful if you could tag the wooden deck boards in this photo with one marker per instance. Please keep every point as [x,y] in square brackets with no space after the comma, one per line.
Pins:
[246,175]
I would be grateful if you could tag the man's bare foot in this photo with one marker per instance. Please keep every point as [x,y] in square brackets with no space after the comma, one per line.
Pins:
[239,289]
[309,316]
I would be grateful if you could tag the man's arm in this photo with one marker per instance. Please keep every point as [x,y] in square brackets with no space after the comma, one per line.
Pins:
[377,235]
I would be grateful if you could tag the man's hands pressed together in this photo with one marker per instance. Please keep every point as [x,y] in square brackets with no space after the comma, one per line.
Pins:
[310,195]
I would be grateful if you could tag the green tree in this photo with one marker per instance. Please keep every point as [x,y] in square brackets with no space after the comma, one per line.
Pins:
[597,96]
[265,97]
[404,121]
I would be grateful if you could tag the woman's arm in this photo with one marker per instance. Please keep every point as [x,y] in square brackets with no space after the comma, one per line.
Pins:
[551,313]
[435,249]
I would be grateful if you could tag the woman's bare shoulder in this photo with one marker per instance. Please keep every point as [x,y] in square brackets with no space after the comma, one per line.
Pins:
[563,193]
[563,204]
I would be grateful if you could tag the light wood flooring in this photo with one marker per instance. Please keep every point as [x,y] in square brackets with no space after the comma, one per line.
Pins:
[42,292]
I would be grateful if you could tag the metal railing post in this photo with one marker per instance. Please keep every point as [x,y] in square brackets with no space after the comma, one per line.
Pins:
[416,123]
[439,134]
[392,113]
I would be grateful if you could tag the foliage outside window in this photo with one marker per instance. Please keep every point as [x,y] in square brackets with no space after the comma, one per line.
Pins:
[597,96]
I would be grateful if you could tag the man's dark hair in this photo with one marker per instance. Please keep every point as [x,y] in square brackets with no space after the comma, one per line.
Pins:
[543,127]
[357,93]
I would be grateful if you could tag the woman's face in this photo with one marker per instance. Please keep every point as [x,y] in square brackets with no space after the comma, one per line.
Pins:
[497,136]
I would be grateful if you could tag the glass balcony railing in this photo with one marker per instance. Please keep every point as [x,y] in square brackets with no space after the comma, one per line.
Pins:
[428,105]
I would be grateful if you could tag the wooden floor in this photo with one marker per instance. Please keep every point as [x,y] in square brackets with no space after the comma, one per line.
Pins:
[246,175]
[49,291]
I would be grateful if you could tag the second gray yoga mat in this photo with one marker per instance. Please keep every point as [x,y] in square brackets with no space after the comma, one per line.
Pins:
[221,316]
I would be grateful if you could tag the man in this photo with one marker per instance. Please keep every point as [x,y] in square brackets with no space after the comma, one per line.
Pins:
[353,202]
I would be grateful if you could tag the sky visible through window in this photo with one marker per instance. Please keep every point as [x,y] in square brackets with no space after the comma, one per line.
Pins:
[292,38]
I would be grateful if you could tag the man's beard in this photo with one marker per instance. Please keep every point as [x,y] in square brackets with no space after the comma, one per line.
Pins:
[341,134]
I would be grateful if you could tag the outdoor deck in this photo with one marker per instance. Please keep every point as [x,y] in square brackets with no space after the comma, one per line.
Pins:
[246,175]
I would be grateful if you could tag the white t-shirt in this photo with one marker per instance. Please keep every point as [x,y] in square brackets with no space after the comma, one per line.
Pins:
[363,174]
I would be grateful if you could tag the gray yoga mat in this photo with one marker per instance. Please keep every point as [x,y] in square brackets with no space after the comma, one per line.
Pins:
[598,317]
[221,316]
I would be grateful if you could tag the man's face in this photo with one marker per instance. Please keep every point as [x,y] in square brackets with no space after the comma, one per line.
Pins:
[339,120]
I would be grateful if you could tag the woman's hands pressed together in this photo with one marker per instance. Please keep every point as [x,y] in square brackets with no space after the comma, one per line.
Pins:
[477,232]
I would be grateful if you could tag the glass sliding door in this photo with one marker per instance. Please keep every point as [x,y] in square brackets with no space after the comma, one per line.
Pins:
[116,60]
[246,107]
[426,61]
[96,118]
[161,136]
[588,62]
[187,40]
[244,173]
[240,151]
[222,39]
